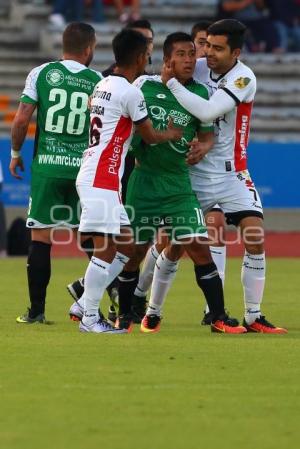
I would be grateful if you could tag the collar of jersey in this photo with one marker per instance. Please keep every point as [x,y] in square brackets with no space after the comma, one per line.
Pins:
[215,80]
[119,75]
[71,64]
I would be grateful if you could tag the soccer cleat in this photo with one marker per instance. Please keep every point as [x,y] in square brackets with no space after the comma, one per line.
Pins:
[124,322]
[138,308]
[100,327]
[76,289]
[150,323]
[261,325]
[206,320]
[227,325]
[112,315]
[26,319]
[76,312]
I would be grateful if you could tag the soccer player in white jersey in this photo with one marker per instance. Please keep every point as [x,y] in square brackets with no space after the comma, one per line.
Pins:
[222,176]
[117,109]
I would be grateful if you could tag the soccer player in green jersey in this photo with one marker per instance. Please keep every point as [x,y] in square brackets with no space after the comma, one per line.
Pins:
[60,91]
[159,190]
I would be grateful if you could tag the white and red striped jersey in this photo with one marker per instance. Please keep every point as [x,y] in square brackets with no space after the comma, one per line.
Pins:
[232,129]
[116,105]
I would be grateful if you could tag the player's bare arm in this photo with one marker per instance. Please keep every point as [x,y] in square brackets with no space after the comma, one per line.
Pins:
[18,134]
[151,135]
[200,147]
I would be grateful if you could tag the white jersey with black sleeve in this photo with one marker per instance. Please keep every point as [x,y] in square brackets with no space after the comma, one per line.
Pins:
[230,106]
[116,106]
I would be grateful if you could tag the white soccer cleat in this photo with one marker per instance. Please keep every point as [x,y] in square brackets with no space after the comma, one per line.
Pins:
[76,312]
[101,327]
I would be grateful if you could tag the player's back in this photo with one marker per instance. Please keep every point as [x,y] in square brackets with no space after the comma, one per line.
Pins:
[229,153]
[61,90]
[113,105]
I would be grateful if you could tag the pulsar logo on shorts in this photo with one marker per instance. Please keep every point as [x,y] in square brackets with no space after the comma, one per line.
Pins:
[55,77]
[161,96]
[241,82]
[30,223]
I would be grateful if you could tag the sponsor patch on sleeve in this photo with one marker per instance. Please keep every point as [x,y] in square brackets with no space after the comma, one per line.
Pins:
[241,82]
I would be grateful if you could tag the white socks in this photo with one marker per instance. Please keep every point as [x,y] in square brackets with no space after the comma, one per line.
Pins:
[218,254]
[146,275]
[253,280]
[113,270]
[95,280]
[164,274]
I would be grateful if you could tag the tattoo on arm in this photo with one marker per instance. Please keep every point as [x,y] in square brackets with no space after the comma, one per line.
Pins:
[20,125]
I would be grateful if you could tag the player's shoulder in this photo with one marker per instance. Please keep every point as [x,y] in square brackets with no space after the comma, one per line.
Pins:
[201,69]
[95,74]
[242,75]
[141,80]
[198,88]
[38,69]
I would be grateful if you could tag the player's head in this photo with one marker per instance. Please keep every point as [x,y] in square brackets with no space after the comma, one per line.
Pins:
[179,52]
[79,41]
[144,27]
[224,43]
[199,36]
[131,50]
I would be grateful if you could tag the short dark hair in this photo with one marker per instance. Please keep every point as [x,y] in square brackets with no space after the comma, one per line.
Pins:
[173,38]
[141,23]
[233,29]
[202,25]
[77,37]
[128,45]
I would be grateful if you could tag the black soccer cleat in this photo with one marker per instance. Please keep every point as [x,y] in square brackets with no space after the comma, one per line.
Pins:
[207,319]
[76,289]
[150,324]
[124,321]
[138,308]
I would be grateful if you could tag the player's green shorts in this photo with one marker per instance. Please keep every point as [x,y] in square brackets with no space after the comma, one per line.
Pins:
[53,202]
[153,201]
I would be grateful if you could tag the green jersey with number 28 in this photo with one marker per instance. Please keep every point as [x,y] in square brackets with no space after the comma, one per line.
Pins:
[61,91]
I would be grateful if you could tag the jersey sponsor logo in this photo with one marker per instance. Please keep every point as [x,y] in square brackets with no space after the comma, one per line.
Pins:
[157,112]
[55,77]
[161,96]
[102,94]
[142,105]
[242,128]
[99,110]
[178,118]
[241,82]
[107,174]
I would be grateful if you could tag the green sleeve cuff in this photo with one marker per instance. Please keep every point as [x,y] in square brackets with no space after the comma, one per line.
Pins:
[25,99]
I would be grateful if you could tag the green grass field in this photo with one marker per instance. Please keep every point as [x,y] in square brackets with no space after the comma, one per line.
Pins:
[183,388]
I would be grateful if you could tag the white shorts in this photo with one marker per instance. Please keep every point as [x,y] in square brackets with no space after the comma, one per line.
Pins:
[234,193]
[102,210]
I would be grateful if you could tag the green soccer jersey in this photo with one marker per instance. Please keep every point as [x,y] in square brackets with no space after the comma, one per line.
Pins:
[167,158]
[61,91]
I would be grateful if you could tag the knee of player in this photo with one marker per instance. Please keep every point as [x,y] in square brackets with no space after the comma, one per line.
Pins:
[255,247]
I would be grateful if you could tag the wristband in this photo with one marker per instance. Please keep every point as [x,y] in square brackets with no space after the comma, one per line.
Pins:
[15,154]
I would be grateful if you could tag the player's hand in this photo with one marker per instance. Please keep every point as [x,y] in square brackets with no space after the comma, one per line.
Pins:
[14,164]
[197,152]
[167,72]
[175,133]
